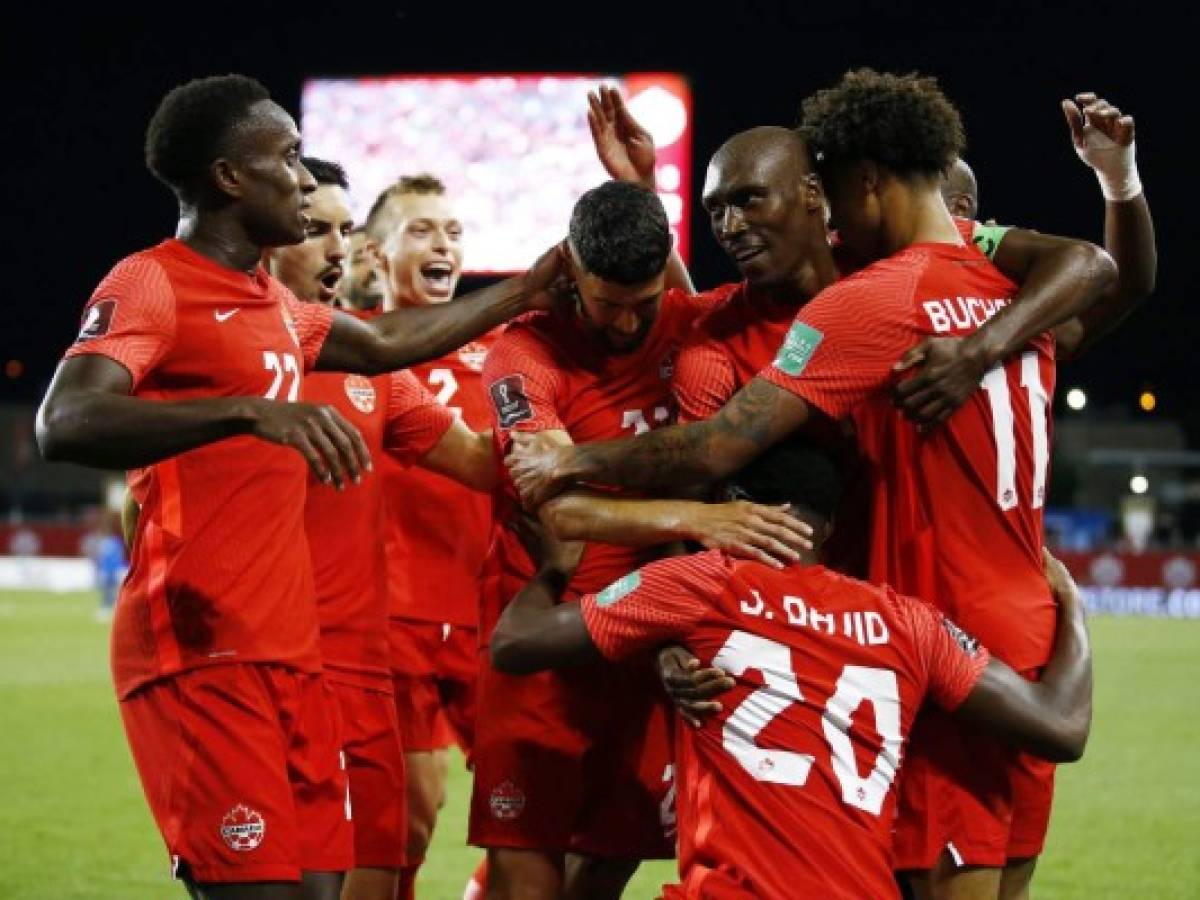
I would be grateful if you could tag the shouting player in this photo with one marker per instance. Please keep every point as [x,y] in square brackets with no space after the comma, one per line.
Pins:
[401,423]
[788,793]
[957,511]
[437,532]
[576,764]
[190,363]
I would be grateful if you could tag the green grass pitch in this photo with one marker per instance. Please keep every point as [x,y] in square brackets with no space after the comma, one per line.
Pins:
[73,824]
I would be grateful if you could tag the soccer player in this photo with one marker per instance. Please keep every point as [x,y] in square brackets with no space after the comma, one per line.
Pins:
[190,363]
[394,413]
[789,791]
[576,764]
[362,290]
[960,190]
[437,531]
[956,511]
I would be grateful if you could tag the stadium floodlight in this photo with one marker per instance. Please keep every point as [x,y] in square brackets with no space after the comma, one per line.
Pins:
[1147,401]
[1139,484]
[1076,399]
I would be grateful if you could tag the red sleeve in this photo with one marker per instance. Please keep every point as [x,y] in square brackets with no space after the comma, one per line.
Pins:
[130,318]
[658,603]
[954,660]
[312,322]
[704,380]
[843,344]
[415,420]
[522,385]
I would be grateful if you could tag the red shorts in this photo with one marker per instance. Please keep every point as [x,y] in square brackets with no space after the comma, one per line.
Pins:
[434,673]
[243,770]
[964,792]
[375,770]
[577,761]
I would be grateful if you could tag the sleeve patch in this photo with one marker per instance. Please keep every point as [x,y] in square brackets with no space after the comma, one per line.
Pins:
[622,587]
[969,645]
[798,347]
[97,321]
[988,237]
[511,402]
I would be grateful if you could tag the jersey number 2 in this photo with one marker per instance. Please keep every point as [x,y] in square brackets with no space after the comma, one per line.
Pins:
[745,651]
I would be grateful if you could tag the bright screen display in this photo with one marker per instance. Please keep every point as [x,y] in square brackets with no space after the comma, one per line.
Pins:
[514,151]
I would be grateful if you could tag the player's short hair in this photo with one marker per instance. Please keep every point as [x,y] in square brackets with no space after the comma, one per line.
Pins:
[902,122]
[620,232]
[325,171]
[191,127]
[792,472]
[379,219]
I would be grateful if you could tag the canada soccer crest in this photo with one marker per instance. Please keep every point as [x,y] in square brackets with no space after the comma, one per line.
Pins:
[243,829]
[361,393]
[507,801]
[473,356]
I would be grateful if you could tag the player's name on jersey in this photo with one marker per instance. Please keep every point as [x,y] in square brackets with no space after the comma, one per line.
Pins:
[863,627]
[962,313]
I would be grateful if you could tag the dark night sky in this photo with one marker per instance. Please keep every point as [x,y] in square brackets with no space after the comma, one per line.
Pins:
[80,90]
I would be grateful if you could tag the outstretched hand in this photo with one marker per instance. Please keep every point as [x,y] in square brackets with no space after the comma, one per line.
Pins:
[946,373]
[625,148]
[533,466]
[768,534]
[1103,138]
[333,448]
[690,687]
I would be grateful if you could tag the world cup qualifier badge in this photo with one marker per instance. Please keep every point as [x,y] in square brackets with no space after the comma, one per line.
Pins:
[243,829]
[969,644]
[97,320]
[361,393]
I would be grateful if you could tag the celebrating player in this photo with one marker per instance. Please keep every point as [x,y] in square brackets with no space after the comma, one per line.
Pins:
[190,362]
[957,512]
[394,413]
[577,762]
[830,672]
[437,532]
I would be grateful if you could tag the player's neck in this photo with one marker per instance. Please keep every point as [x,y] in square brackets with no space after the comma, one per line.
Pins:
[917,215]
[220,239]
[815,273]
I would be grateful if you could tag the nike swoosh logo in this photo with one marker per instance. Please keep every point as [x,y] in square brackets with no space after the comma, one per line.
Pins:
[226,315]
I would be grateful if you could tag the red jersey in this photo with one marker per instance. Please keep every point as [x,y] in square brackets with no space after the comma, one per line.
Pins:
[438,530]
[396,416]
[788,791]
[543,374]
[957,512]
[219,570]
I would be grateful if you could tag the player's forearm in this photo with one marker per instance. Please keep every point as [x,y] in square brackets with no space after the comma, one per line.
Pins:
[1129,239]
[1059,283]
[587,516]
[700,453]
[1066,683]
[110,431]
[529,635]
[413,334]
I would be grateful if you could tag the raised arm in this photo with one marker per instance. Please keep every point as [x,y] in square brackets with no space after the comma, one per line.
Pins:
[466,456]
[1104,140]
[1050,717]
[626,150]
[678,456]
[88,417]
[413,334]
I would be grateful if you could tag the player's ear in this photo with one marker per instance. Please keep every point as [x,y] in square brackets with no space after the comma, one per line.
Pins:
[225,177]
[813,193]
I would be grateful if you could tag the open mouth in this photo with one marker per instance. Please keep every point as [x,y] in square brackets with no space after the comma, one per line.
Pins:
[438,278]
[328,282]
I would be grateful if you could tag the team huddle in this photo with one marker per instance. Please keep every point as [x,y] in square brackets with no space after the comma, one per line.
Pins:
[752,577]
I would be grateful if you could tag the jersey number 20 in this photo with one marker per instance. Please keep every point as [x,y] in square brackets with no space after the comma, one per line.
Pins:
[745,651]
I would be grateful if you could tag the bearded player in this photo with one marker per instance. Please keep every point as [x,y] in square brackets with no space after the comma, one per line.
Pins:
[957,511]
[190,363]
[789,791]
[402,424]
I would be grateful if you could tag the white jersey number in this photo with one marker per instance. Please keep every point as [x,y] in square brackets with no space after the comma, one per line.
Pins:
[447,385]
[744,651]
[636,419]
[282,364]
[995,382]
